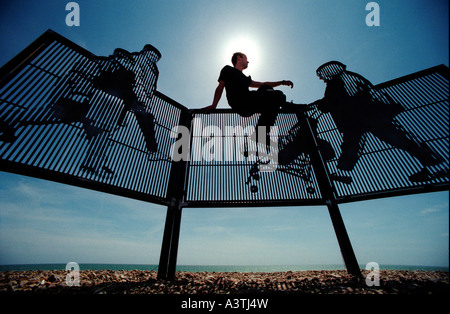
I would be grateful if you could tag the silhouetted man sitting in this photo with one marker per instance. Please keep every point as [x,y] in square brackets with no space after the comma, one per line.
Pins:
[265,100]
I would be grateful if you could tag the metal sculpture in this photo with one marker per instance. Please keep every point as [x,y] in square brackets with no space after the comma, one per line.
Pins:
[98,122]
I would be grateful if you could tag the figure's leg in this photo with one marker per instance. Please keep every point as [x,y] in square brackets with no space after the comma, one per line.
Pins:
[296,107]
[7,132]
[95,155]
[146,125]
[350,148]
[391,133]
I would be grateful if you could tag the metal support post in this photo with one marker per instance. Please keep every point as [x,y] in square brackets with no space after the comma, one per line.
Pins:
[169,248]
[343,239]
[176,192]
[327,191]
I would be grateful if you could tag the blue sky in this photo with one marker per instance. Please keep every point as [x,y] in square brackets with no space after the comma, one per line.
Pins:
[45,222]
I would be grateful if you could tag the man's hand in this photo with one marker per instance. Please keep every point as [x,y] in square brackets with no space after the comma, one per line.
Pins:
[209,108]
[287,83]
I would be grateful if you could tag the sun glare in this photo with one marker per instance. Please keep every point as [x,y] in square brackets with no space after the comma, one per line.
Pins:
[245,45]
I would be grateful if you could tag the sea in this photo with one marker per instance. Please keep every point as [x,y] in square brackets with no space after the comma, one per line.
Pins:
[212,268]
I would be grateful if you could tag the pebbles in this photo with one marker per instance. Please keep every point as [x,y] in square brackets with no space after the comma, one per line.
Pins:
[297,282]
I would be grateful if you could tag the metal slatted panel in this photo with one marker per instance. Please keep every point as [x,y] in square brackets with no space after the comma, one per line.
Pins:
[228,180]
[382,168]
[98,122]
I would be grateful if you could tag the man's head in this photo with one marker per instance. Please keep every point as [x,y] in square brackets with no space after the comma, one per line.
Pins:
[239,60]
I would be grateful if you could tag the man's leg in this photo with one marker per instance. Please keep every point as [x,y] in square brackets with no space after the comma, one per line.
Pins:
[268,101]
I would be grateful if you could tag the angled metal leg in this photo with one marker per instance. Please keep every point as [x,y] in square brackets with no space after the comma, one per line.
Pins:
[344,241]
[327,190]
[169,248]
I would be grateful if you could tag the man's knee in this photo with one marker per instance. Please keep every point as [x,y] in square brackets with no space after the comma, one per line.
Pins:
[276,97]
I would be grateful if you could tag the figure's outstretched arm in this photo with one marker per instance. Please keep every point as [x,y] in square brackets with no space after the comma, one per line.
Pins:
[271,84]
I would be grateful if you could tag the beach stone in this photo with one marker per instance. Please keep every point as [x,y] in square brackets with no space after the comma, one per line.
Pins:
[289,274]
[298,282]
[51,278]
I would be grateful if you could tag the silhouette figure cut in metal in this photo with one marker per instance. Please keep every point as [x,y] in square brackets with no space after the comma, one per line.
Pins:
[358,108]
[294,156]
[75,100]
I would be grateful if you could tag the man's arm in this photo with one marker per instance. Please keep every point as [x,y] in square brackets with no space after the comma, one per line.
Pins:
[217,96]
[271,84]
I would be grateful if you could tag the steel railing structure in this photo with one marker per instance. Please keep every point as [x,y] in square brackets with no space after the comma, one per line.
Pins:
[69,116]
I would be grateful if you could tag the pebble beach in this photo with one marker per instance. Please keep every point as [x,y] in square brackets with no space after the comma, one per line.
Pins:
[289,282]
